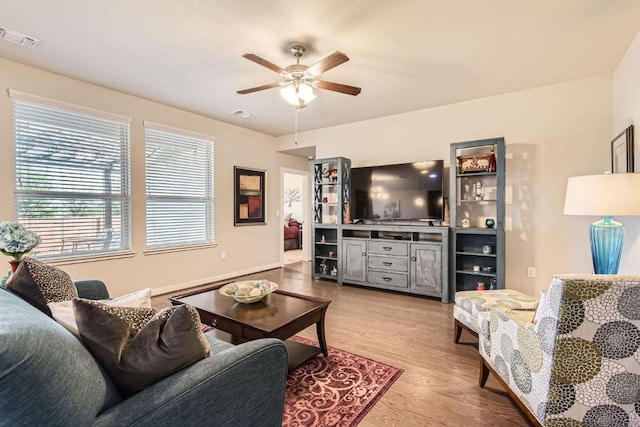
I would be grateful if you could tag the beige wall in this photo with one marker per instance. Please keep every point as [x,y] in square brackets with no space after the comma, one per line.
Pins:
[551,133]
[626,111]
[249,248]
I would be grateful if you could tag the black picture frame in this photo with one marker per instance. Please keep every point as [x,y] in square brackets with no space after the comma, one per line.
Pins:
[249,200]
[622,155]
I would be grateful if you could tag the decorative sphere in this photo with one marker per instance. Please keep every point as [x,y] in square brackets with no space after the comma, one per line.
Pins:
[489,223]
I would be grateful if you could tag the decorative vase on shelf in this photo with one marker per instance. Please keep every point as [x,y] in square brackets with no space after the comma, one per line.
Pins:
[492,161]
[347,214]
[447,214]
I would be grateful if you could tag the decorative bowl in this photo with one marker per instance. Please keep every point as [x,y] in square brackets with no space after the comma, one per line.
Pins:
[248,291]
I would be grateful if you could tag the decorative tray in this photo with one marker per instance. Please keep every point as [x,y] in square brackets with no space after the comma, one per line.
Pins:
[248,291]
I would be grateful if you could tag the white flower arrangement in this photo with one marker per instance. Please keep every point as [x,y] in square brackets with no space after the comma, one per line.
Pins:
[16,241]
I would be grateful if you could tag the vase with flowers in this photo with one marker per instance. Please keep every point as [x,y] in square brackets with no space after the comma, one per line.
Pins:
[16,241]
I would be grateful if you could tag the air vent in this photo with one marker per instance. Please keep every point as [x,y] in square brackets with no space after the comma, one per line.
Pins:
[29,42]
[18,38]
[241,113]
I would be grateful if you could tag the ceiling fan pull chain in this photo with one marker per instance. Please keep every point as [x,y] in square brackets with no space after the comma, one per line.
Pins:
[296,112]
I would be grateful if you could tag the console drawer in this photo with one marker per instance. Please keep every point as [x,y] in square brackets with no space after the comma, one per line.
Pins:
[388,248]
[380,262]
[396,280]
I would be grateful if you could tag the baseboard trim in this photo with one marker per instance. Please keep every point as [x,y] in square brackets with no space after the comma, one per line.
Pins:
[212,279]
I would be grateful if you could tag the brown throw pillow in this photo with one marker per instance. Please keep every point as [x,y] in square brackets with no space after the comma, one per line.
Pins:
[140,346]
[40,284]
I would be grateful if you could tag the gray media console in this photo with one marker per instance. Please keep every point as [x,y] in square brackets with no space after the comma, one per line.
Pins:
[412,259]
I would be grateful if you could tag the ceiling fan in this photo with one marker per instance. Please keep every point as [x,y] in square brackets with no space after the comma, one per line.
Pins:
[299,80]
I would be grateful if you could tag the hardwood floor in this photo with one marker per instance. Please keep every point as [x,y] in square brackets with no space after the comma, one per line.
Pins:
[439,386]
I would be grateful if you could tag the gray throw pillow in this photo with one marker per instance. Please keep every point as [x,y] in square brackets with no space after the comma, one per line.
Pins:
[40,284]
[140,346]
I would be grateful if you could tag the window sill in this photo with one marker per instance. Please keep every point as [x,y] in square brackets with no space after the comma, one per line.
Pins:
[82,259]
[159,251]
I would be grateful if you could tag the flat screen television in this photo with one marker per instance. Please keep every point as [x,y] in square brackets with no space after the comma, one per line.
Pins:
[407,191]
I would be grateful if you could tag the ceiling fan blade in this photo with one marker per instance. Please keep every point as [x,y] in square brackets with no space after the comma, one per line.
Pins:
[263,62]
[258,88]
[331,61]
[337,87]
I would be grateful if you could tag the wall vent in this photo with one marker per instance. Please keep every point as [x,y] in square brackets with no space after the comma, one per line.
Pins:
[241,113]
[18,38]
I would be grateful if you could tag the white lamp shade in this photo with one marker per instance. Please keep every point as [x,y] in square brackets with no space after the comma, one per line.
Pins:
[301,95]
[603,195]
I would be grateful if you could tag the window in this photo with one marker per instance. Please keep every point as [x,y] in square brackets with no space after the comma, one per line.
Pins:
[72,177]
[179,170]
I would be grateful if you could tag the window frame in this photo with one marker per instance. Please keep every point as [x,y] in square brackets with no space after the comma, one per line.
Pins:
[175,134]
[119,130]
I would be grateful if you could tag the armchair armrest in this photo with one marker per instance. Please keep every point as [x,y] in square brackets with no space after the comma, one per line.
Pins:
[515,355]
[91,289]
[239,386]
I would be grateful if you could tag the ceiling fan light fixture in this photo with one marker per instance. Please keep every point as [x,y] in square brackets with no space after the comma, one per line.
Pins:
[298,95]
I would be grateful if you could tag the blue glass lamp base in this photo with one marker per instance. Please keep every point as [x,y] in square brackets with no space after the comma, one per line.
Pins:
[606,238]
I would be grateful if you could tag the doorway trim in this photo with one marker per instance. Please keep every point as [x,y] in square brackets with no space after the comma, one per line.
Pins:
[306,208]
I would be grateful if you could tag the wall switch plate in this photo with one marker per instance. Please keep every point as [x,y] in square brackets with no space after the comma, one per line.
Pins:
[223,255]
[531,272]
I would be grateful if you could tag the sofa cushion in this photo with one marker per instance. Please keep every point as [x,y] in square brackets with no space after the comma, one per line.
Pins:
[40,284]
[140,346]
[476,301]
[62,311]
[291,232]
[46,373]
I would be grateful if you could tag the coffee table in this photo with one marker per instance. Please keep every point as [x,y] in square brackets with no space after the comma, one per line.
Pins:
[280,314]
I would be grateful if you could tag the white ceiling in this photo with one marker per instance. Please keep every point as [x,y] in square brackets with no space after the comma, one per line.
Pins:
[406,55]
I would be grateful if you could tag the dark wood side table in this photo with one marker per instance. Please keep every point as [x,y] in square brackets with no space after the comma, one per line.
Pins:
[280,314]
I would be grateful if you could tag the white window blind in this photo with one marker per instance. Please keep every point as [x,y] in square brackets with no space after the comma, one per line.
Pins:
[179,182]
[72,179]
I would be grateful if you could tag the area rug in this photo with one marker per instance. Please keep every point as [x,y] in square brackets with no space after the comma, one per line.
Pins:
[338,390]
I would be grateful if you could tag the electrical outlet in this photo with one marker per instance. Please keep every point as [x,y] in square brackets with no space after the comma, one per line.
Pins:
[223,255]
[531,272]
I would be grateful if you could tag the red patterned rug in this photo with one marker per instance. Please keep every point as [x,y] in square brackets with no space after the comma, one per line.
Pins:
[338,390]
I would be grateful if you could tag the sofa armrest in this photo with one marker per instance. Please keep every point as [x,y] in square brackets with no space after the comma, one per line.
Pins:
[240,386]
[91,289]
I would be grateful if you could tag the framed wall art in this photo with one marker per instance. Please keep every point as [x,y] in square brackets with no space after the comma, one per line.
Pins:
[249,196]
[622,156]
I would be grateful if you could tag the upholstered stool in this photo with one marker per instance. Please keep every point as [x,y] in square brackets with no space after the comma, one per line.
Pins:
[472,309]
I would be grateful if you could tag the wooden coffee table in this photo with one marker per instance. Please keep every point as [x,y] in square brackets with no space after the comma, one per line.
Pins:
[280,315]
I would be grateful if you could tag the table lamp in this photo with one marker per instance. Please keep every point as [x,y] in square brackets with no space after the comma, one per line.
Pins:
[604,195]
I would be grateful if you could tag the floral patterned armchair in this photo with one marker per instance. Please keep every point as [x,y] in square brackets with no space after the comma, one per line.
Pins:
[578,363]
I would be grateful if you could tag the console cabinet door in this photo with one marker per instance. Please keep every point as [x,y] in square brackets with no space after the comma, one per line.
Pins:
[426,269]
[354,260]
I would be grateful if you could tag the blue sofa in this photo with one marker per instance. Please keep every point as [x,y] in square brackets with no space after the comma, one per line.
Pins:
[47,377]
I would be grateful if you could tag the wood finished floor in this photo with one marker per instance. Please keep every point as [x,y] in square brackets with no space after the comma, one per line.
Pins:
[439,386]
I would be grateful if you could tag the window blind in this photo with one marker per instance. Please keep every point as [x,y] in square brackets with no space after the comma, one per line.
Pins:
[72,179]
[179,188]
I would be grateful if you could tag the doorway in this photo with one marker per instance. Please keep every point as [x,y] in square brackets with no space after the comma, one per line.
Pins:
[295,201]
